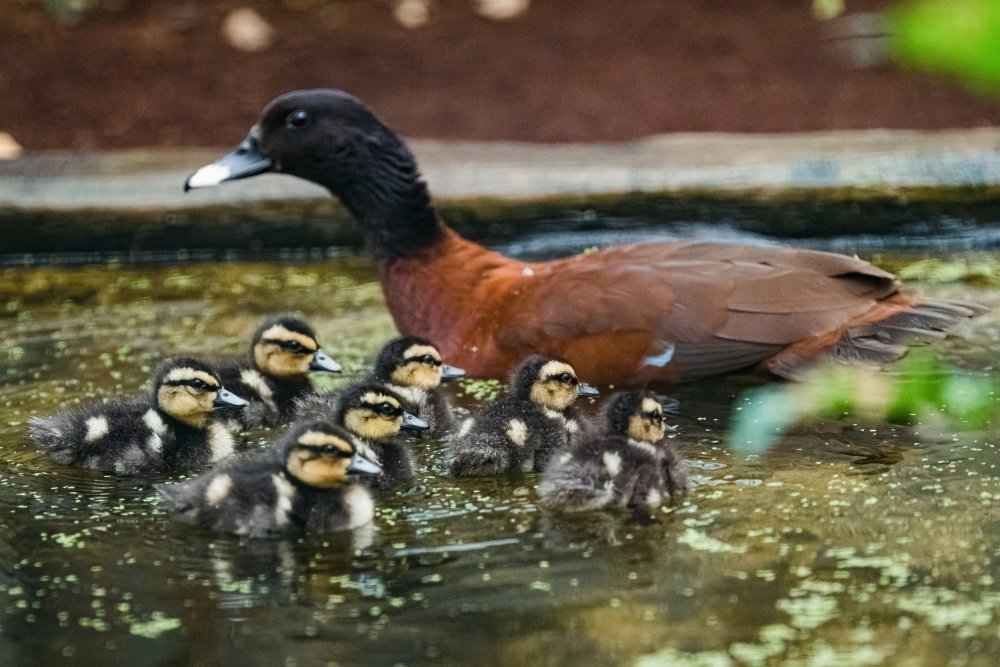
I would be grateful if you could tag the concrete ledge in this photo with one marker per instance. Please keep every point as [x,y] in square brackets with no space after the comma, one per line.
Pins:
[134,199]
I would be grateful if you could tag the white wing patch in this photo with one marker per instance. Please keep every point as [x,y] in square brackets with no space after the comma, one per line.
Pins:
[155,423]
[360,506]
[97,428]
[644,446]
[220,441]
[154,443]
[612,463]
[552,414]
[517,431]
[286,492]
[465,428]
[218,489]
[256,381]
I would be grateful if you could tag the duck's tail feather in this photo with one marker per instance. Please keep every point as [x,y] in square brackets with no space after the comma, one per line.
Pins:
[878,342]
[887,340]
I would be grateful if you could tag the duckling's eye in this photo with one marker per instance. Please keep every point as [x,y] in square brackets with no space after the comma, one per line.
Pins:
[292,345]
[653,416]
[197,384]
[429,360]
[330,449]
[297,119]
[386,409]
[566,378]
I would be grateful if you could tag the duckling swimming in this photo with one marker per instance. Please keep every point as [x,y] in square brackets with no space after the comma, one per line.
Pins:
[412,367]
[283,351]
[520,430]
[171,429]
[631,464]
[374,415]
[299,484]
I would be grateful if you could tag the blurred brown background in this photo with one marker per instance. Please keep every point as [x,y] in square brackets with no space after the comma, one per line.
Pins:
[171,73]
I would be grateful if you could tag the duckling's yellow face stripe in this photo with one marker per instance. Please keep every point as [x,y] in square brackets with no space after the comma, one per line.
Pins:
[320,459]
[186,394]
[647,424]
[378,417]
[422,350]
[421,367]
[374,399]
[178,375]
[556,386]
[319,440]
[281,352]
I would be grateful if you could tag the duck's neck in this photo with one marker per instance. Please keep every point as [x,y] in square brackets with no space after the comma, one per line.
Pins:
[392,204]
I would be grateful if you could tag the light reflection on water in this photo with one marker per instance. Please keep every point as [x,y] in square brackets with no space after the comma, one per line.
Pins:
[850,543]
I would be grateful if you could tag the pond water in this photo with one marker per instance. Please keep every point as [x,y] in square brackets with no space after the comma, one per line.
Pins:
[846,544]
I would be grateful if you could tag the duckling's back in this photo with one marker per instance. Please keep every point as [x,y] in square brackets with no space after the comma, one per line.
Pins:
[611,471]
[507,435]
[250,498]
[125,437]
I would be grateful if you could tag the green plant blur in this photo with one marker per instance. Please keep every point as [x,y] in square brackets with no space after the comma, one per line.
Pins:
[961,39]
[918,389]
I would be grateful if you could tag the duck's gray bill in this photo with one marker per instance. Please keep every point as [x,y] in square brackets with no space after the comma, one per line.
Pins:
[587,390]
[363,466]
[451,373]
[226,398]
[414,423]
[321,362]
[243,162]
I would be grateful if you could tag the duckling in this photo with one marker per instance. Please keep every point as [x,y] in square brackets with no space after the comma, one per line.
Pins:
[171,429]
[374,415]
[283,351]
[299,484]
[631,464]
[412,367]
[520,430]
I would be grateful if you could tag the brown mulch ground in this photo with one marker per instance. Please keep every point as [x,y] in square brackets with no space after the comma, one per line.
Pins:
[158,72]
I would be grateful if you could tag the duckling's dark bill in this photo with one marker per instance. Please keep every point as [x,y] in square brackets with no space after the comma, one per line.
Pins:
[243,162]
[451,373]
[321,362]
[587,390]
[362,466]
[227,399]
[414,423]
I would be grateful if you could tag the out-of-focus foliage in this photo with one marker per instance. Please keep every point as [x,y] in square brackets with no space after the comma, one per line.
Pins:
[919,388]
[977,268]
[983,271]
[827,9]
[956,37]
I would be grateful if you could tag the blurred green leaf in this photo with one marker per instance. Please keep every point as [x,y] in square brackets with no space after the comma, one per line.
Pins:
[960,38]
[919,386]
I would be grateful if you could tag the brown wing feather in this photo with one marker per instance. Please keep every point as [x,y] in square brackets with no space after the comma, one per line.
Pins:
[722,307]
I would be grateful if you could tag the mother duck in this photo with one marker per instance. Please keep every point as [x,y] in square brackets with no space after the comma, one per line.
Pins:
[627,315]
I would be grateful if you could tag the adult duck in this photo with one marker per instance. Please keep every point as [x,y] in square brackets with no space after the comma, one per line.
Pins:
[627,315]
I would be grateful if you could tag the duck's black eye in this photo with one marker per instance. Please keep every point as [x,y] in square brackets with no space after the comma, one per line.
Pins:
[197,384]
[297,119]
[653,416]
[386,409]
[292,345]
[429,360]
[331,449]
[566,378]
